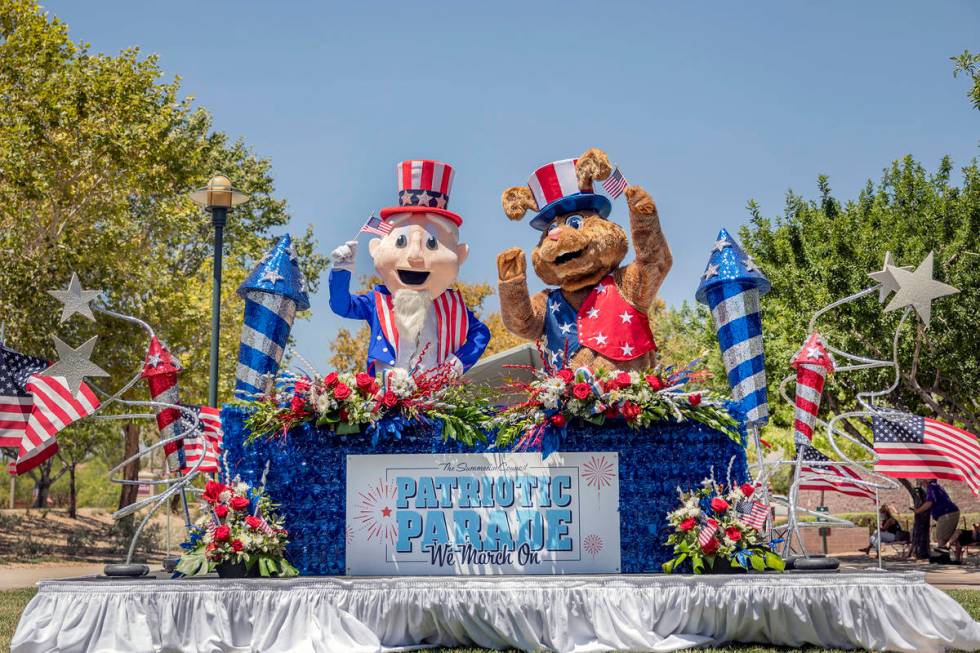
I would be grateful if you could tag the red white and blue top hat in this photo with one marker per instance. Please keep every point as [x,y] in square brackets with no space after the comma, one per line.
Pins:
[556,192]
[423,187]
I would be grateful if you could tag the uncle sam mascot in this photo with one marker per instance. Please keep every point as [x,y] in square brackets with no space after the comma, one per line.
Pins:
[417,321]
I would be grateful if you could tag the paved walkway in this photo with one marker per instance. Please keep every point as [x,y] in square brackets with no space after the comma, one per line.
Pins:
[13,577]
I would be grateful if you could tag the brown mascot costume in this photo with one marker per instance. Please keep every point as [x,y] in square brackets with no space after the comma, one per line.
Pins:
[597,315]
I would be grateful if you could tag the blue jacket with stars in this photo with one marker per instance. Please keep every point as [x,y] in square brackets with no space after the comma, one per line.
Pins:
[364,307]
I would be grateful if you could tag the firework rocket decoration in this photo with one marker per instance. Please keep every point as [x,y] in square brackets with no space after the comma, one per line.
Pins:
[160,370]
[812,364]
[731,286]
[273,293]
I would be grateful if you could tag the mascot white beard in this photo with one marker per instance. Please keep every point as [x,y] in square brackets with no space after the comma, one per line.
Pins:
[411,311]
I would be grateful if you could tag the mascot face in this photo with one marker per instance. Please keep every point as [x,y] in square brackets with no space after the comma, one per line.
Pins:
[422,253]
[578,250]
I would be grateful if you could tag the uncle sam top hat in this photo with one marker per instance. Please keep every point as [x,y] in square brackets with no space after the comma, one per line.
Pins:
[423,187]
[556,190]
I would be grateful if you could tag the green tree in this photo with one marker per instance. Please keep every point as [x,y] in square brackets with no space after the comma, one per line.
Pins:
[969,64]
[97,155]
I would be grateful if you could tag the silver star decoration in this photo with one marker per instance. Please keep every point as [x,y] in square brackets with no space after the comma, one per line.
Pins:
[813,352]
[886,278]
[601,288]
[721,244]
[271,276]
[600,339]
[627,349]
[710,271]
[75,299]
[154,360]
[553,306]
[565,328]
[918,289]
[291,250]
[626,317]
[424,198]
[750,264]
[74,364]
[440,202]
[593,313]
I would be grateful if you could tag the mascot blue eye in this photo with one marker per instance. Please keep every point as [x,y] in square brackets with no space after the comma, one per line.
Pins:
[431,242]
[575,222]
[401,241]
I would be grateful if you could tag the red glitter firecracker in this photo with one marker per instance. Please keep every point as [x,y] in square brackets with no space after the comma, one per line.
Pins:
[160,370]
[813,364]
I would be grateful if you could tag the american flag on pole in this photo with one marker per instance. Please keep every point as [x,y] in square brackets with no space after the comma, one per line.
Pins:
[15,400]
[205,442]
[615,183]
[909,446]
[829,477]
[708,530]
[752,513]
[377,226]
[54,408]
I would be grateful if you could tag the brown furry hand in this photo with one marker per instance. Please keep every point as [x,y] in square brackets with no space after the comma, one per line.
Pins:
[511,264]
[594,164]
[640,201]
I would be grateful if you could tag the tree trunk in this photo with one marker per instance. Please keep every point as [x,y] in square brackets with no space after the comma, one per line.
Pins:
[920,527]
[42,484]
[129,493]
[72,492]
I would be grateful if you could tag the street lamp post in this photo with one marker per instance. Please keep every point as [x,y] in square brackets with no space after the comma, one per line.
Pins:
[217,197]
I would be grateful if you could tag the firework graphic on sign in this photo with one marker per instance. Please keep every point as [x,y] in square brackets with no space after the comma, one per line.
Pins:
[349,535]
[376,512]
[598,473]
[592,544]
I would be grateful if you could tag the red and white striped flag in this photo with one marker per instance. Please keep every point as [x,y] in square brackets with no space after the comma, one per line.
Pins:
[752,513]
[15,401]
[54,407]
[708,530]
[909,446]
[830,477]
[377,226]
[615,183]
[205,442]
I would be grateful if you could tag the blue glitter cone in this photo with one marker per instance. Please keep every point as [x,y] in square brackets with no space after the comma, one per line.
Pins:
[731,286]
[273,292]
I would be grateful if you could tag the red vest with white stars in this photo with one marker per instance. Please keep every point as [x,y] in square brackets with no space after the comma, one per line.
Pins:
[611,326]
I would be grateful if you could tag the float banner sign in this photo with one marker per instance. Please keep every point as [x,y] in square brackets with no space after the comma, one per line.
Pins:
[506,513]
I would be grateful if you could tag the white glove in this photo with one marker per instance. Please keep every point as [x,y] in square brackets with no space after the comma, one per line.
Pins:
[344,256]
[455,366]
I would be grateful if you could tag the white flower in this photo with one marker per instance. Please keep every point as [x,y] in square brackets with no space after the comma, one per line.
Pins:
[400,382]
[224,496]
[325,403]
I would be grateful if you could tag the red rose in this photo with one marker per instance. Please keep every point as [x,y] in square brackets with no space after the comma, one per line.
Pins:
[733,533]
[390,399]
[565,375]
[239,503]
[341,391]
[654,382]
[373,390]
[719,505]
[301,385]
[558,420]
[221,511]
[694,400]
[582,390]
[688,524]
[609,386]
[363,381]
[612,411]
[747,489]
[330,380]
[236,545]
[631,410]
[222,533]
[213,490]
[253,522]
[344,415]
[297,404]
[711,546]
[623,379]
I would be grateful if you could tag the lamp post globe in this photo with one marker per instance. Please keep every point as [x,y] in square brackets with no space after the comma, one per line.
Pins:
[216,198]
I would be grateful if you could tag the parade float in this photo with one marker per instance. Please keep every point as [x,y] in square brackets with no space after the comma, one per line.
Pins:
[421,510]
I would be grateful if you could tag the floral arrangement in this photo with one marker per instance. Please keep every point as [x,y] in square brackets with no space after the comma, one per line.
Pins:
[352,403]
[713,524]
[556,396]
[239,525]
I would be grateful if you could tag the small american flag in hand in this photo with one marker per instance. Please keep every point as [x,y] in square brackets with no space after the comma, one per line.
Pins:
[615,183]
[377,226]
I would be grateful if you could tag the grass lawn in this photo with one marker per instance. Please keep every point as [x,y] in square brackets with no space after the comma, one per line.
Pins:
[12,603]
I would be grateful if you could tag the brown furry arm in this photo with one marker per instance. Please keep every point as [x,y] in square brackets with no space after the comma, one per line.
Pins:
[642,278]
[523,315]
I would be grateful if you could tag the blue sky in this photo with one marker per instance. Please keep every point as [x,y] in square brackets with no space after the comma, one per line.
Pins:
[706,105]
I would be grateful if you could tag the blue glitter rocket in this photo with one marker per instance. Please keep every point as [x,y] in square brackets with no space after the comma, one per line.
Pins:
[273,293]
[731,286]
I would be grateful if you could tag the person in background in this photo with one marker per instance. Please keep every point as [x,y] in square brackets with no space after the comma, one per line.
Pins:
[944,512]
[963,538]
[890,529]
